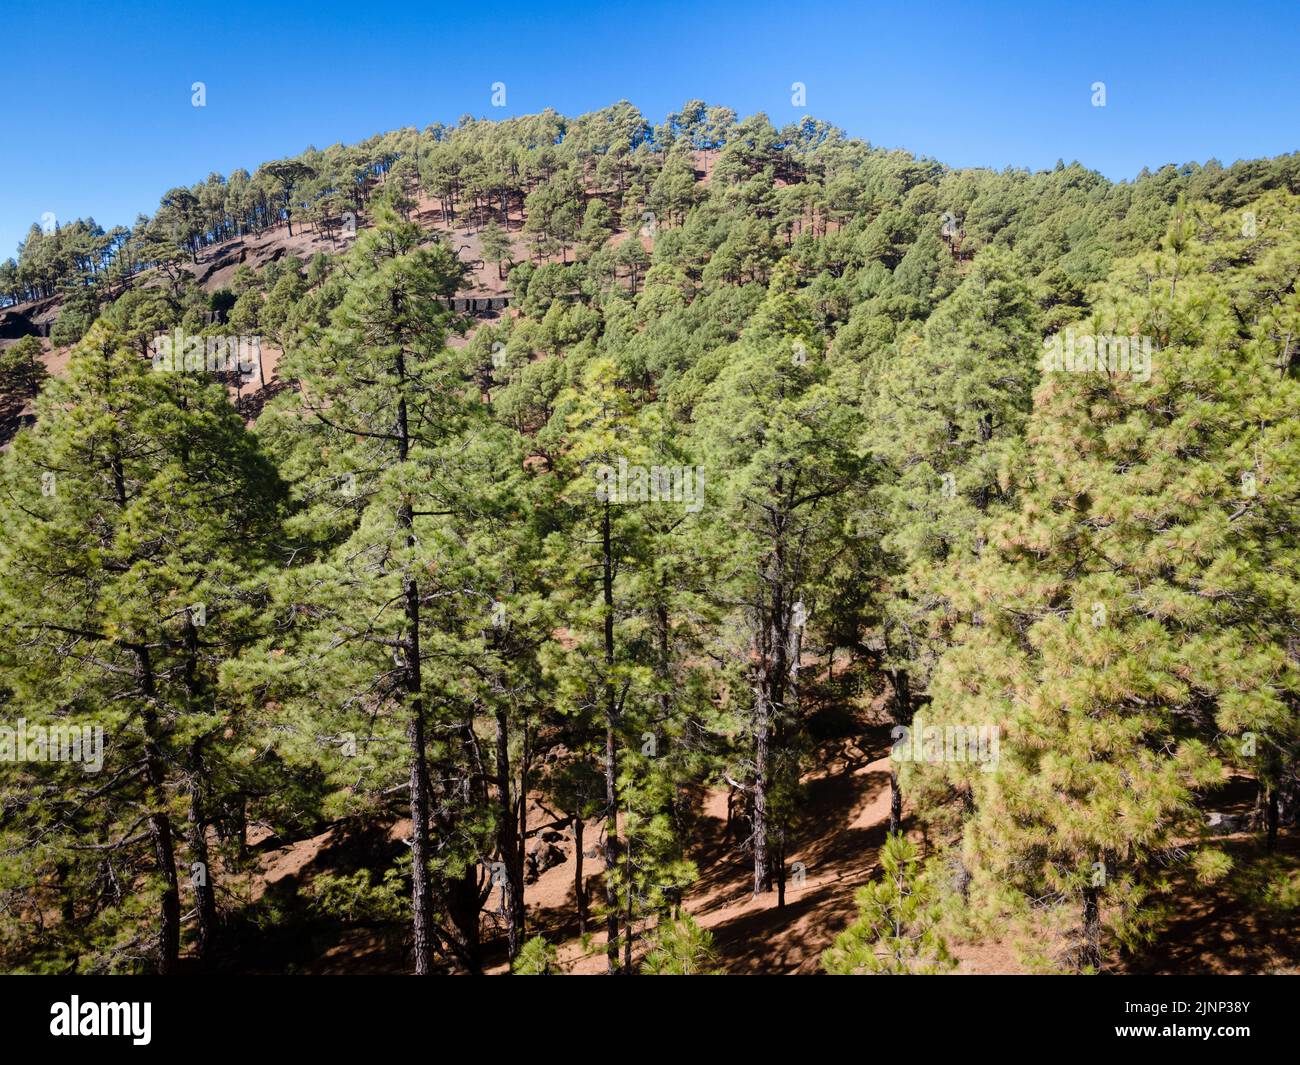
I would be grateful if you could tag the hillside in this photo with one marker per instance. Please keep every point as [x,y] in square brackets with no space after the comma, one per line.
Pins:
[780,525]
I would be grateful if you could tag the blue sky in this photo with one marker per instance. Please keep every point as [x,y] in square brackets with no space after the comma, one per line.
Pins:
[99,120]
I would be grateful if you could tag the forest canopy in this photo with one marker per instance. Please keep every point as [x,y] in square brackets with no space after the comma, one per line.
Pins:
[780,455]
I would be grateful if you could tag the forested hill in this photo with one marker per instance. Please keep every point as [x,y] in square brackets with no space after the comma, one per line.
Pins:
[572,625]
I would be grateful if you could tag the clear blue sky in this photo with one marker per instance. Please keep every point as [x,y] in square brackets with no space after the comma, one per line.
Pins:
[98,119]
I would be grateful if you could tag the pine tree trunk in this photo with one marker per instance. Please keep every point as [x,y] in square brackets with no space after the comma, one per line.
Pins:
[903,715]
[895,801]
[205,902]
[421,891]
[160,827]
[464,902]
[759,820]
[508,841]
[611,751]
[421,887]
[579,894]
[201,879]
[1090,955]
[1271,818]
[627,919]
[791,697]
[780,868]
[241,826]
[772,645]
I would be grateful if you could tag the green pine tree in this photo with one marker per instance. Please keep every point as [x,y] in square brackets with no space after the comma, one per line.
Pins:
[896,931]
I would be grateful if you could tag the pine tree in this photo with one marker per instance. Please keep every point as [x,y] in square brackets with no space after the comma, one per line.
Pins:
[495,245]
[22,371]
[139,512]
[378,440]
[943,414]
[1136,611]
[537,958]
[630,505]
[775,426]
[602,541]
[680,948]
[896,931]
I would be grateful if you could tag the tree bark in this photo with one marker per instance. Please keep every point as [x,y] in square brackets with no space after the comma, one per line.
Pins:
[759,820]
[418,774]
[1271,818]
[578,891]
[627,918]
[1090,954]
[508,841]
[202,880]
[772,647]
[421,891]
[160,827]
[611,750]
[903,714]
